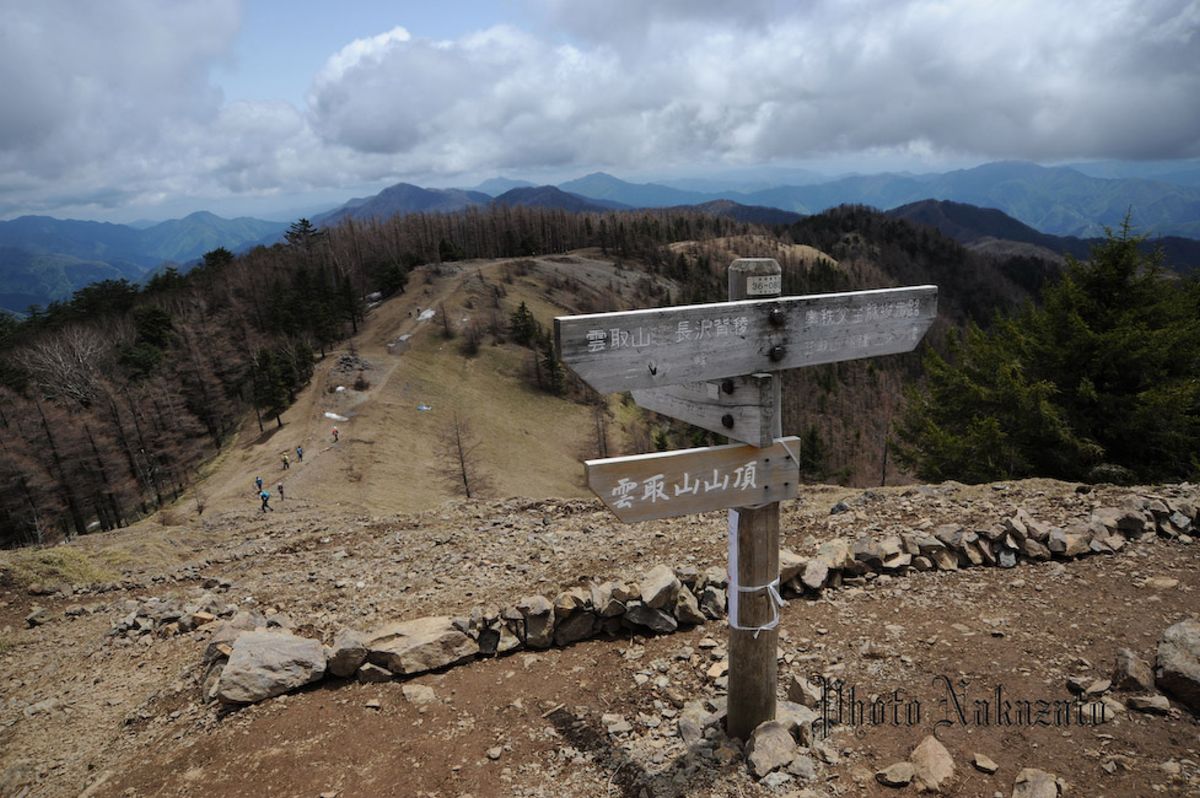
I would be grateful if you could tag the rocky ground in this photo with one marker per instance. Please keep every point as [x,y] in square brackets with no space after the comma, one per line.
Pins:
[101,691]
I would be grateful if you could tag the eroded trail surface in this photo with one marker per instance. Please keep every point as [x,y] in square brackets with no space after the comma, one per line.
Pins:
[88,711]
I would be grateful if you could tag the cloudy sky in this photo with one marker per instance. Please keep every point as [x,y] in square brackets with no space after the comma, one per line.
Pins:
[129,109]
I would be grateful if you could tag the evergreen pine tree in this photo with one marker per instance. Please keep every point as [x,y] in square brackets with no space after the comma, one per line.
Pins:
[1104,375]
[555,377]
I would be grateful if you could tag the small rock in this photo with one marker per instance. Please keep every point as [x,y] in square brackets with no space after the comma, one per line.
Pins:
[39,616]
[984,763]
[802,767]
[348,652]
[899,774]
[770,747]
[1160,583]
[1034,783]
[1152,704]
[373,674]
[1179,663]
[803,692]
[419,694]
[1131,673]
[933,767]
[372,704]
[776,780]
[494,753]
[659,587]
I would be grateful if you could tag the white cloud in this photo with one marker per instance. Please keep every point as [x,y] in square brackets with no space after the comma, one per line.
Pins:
[112,103]
[361,51]
[709,82]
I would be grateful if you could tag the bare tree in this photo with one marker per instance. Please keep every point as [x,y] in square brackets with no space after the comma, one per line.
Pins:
[67,363]
[460,463]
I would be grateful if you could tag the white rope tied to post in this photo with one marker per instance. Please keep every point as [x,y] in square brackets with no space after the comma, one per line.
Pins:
[735,590]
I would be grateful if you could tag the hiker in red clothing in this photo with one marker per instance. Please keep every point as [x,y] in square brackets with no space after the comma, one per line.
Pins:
[335,435]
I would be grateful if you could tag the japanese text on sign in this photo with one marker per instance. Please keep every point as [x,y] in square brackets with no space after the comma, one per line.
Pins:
[653,489]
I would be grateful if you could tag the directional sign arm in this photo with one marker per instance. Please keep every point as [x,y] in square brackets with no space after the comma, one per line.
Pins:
[648,486]
[668,346]
[741,408]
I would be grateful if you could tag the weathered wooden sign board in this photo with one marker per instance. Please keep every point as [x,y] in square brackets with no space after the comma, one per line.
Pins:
[707,365]
[668,346]
[648,486]
[742,408]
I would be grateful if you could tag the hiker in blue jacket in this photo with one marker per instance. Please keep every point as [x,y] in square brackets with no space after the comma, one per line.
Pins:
[266,497]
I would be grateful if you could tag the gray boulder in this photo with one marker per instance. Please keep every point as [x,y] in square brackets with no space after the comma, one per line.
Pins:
[538,615]
[659,587]
[712,602]
[1034,783]
[578,626]
[267,664]
[687,609]
[790,565]
[815,574]
[933,767]
[770,747]
[1132,673]
[606,599]
[653,619]
[348,652]
[1179,663]
[420,645]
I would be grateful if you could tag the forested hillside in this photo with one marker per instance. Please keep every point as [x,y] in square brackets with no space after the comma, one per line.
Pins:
[109,402]
[113,400]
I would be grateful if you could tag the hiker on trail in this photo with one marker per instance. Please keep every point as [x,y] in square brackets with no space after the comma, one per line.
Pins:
[280,487]
[266,497]
[335,434]
[286,462]
[300,453]
[258,482]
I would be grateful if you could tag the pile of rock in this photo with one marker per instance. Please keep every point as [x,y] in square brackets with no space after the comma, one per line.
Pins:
[166,617]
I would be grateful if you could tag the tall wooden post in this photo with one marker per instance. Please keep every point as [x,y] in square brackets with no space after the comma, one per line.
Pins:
[754,532]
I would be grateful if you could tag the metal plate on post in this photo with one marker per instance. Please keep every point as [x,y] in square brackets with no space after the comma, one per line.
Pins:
[668,346]
[648,486]
[741,408]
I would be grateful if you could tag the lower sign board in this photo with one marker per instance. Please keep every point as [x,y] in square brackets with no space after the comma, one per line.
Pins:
[648,486]
[742,408]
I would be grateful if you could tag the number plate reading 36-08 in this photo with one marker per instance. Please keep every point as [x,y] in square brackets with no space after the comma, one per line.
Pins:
[764,285]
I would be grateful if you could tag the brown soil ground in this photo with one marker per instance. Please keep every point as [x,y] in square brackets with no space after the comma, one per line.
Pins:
[127,719]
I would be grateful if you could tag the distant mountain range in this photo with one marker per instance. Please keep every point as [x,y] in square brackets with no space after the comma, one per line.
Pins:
[990,230]
[43,259]
[1056,200]
[1002,207]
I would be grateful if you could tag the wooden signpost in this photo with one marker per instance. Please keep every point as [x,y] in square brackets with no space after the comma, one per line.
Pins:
[710,365]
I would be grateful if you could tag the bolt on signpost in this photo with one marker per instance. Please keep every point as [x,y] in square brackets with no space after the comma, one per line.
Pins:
[717,366]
